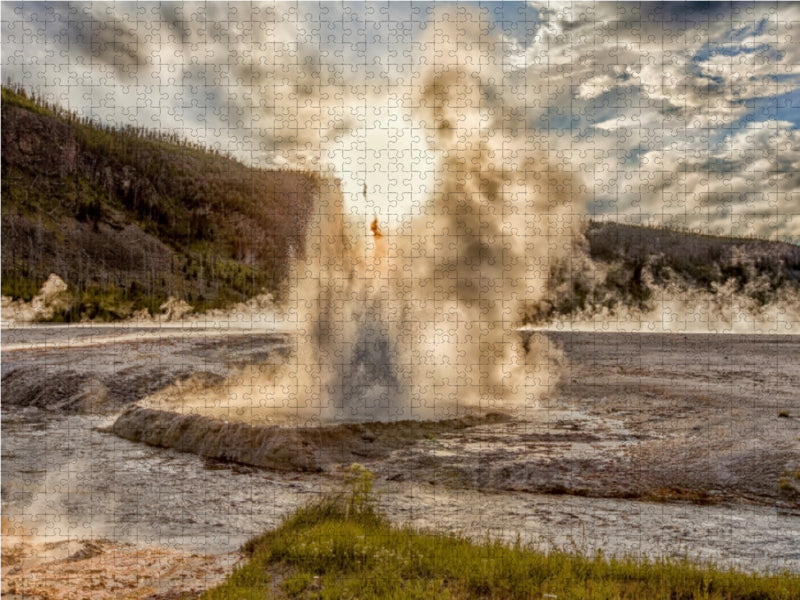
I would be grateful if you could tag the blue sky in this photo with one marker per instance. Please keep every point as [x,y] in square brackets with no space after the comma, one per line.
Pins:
[679,113]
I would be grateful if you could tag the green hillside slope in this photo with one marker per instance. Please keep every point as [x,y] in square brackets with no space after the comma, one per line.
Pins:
[128,217]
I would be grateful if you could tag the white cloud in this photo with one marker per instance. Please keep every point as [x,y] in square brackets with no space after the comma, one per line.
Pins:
[645,101]
[745,185]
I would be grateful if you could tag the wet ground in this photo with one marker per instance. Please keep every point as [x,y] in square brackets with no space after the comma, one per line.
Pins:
[654,444]
[101,369]
[702,418]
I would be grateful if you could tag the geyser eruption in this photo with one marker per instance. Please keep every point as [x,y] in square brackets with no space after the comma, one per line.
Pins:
[424,323]
[345,354]
[419,320]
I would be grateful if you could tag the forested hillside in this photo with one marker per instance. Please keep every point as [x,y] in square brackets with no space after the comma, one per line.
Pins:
[128,217]
[627,266]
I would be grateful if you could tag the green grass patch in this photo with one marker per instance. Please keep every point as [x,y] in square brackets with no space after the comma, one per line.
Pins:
[341,547]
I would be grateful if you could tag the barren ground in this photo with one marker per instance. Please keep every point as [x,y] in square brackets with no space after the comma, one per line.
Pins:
[639,421]
[704,418]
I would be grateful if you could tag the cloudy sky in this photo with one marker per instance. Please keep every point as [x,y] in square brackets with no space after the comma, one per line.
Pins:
[685,114]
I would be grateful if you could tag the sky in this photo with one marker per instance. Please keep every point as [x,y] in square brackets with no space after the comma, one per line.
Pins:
[684,114]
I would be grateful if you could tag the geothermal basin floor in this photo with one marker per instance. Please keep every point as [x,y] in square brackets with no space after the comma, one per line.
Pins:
[659,444]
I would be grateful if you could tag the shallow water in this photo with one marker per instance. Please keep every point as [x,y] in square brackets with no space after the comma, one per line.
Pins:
[64,478]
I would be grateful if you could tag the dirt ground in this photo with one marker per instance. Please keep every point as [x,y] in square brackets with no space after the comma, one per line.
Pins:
[709,416]
[699,417]
[696,417]
[101,369]
[102,569]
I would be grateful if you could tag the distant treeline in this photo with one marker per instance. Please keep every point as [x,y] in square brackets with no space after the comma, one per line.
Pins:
[629,262]
[130,216]
[17,95]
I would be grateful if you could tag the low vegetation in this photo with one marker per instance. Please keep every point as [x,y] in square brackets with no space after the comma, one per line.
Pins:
[342,547]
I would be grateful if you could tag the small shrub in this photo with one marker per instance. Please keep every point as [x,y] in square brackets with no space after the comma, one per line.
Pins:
[785,486]
[361,499]
[19,286]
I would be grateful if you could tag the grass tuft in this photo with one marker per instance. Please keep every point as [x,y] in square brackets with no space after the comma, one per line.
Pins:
[342,547]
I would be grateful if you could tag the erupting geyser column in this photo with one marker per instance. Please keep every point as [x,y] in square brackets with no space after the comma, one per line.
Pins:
[345,357]
[481,251]
[427,326]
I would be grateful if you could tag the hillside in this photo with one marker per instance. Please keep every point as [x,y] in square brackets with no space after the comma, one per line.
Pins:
[628,266]
[128,217]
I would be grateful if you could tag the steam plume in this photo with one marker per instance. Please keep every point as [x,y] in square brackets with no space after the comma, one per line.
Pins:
[427,327]
[424,323]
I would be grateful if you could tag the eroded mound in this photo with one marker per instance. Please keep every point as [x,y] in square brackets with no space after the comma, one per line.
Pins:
[310,448]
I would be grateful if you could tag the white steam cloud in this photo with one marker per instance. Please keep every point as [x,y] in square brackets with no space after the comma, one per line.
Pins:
[422,322]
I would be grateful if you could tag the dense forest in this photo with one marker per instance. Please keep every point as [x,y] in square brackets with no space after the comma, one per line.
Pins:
[129,217]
